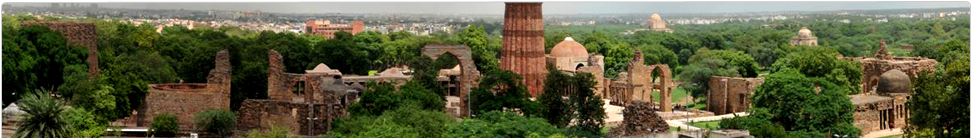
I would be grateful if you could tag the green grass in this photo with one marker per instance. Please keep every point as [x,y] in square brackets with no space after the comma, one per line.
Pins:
[677,95]
[705,124]
[606,129]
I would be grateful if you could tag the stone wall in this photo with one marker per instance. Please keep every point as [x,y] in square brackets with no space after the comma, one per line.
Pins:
[183,103]
[469,77]
[301,118]
[523,45]
[80,34]
[867,116]
[185,100]
[874,67]
[730,94]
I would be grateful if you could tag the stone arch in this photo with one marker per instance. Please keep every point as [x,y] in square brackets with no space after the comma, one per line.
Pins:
[665,85]
[579,66]
[469,76]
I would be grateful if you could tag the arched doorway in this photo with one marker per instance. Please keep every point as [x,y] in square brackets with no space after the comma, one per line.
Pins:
[663,83]
[469,75]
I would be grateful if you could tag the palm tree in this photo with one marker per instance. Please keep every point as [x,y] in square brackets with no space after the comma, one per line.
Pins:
[44,117]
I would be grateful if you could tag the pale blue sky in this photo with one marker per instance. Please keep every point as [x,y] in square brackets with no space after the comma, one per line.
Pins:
[549,7]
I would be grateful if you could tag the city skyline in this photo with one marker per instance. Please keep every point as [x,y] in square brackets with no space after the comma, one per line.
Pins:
[549,7]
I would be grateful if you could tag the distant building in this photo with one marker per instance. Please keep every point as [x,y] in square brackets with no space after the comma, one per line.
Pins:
[804,37]
[655,23]
[325,28]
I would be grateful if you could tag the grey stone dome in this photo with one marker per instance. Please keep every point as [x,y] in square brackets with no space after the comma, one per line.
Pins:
[894,81]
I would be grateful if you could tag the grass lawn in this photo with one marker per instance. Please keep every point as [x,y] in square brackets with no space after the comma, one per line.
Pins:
[705,124]
[677,95]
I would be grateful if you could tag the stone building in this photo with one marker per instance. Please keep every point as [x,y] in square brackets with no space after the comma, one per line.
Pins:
[804,37]
[305,103]
[655,23]
[636,84]
[886,108]
[730,94]
[523,45]
[326,29]
[568,55]
[78,34]
[185,100]
[886,84]
[883,62]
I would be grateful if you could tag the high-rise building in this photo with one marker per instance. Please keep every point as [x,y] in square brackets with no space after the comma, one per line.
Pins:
[325,28]
[523,45]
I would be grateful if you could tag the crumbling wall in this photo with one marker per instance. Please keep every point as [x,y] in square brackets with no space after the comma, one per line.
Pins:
[731,94]
[639,119]
[278,82]
[183,103]
[80,34]
[184,100]
[867,117]
[302,118]
[873,68]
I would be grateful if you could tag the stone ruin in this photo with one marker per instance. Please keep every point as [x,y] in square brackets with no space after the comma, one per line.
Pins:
[883,62]
[730,94]
[79,34]
[185,100]
[636,85]
[304,103]
[640,119]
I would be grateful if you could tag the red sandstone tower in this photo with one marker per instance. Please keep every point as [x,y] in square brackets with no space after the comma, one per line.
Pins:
[523,51]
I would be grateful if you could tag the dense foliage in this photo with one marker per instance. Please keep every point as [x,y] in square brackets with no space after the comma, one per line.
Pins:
[939,101]
[706,63]
[800,105]
[502,90]
[220,122]
[164,124]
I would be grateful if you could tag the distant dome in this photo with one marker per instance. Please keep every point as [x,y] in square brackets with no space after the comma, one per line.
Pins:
[894,81]
[569,48]
[655,16]
[804,32]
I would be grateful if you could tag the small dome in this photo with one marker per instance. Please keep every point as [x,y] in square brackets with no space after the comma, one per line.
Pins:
[804,32]
[655,16]
[569,48]
[894,81]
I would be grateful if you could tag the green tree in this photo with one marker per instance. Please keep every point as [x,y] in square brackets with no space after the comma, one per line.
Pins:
[37,59]
[589,107]
[45,117]
[823,63]
[500,90]
[556,109]
[802,104]
[707,63]
[935,100]
[497,124]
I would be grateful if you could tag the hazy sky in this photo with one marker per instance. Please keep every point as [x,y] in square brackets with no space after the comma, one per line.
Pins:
[548,7]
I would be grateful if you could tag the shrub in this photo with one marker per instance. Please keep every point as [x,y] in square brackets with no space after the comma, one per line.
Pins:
[164,124]
[83,123]
[44,117]
[217,121]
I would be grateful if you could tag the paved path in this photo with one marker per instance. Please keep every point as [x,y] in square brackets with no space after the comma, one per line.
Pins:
[883,133]
[683,123]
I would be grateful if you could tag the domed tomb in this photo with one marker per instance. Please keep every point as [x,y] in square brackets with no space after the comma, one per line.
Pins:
[804,32]
[568,55]
[804,37]
[894,81]
[569,48]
